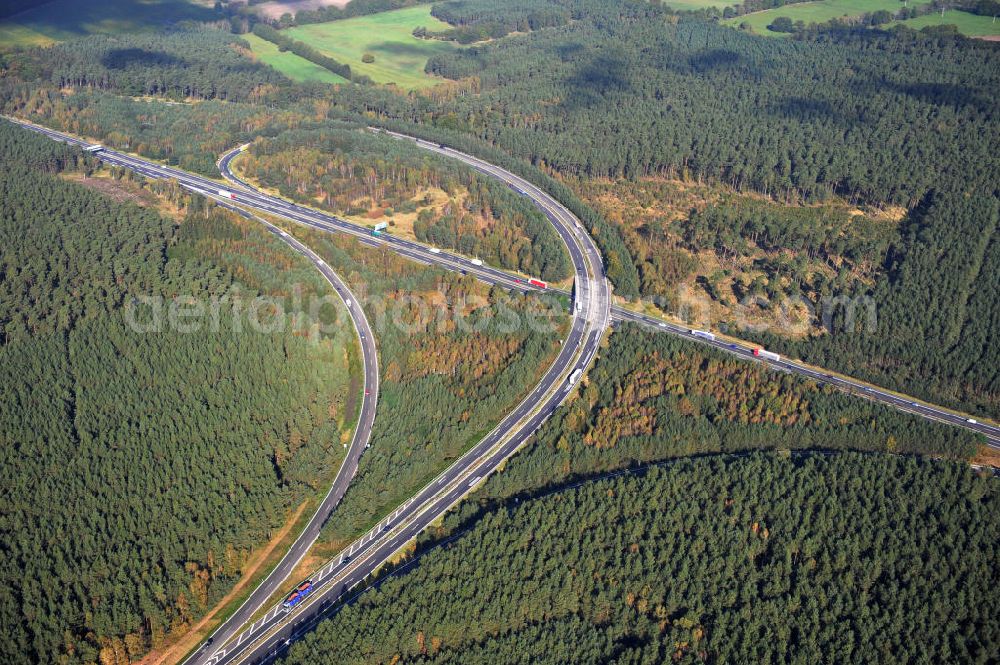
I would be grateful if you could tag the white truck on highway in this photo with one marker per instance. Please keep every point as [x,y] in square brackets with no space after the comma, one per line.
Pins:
[767,355]
[573,378]
[225,193]
[704,334]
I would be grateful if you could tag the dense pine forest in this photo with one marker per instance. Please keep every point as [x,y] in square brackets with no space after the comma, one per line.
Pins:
[358,173]
[200,64]
[765,559]
[141,469]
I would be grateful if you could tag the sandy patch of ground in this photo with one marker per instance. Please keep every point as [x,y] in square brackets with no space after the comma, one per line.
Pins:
[122,191]
[401,224]
[987,457]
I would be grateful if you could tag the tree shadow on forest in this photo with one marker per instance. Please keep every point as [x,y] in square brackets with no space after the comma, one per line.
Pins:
[807,109]
[596,78]
[943,94]
[123,58]
[715,60]
[569,51]
[708,61]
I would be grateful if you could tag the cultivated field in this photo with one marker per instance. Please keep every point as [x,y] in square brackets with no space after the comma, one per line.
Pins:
[289,64]
[693,5]
[278,7]
[65,19]
[817,12]
[399,56]
[969,25]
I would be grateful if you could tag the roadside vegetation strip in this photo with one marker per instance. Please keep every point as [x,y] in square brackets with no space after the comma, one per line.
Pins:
[263,562]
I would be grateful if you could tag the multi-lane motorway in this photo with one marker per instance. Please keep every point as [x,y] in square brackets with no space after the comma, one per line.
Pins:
[744,350]
[349,466]
[363,557]
[852,386]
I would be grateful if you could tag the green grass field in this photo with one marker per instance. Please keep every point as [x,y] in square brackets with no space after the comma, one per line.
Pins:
[969,25]
[289,64]
[399,56]
[816,12]
[65,19]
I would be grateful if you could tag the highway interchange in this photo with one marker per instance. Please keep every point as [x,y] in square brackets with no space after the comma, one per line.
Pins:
[367,554]
[270,633]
